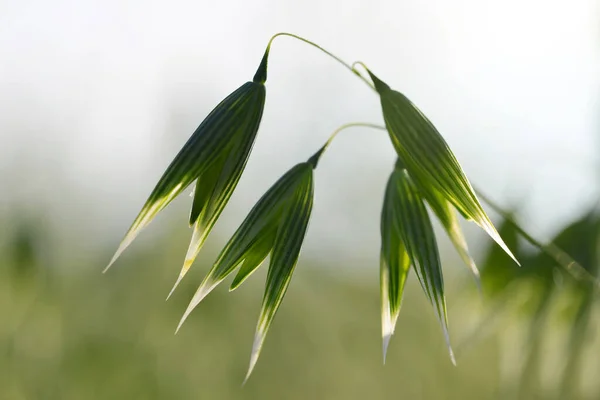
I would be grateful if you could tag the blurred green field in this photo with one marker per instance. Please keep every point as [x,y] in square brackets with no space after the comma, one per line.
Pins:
[69,332]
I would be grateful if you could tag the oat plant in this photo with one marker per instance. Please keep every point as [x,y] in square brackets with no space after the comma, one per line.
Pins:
[426,175]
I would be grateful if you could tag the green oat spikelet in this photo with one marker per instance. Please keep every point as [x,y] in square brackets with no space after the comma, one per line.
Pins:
[447,215]
[394,266]
[428,157]
[408,238]
[276,225]
[215,156]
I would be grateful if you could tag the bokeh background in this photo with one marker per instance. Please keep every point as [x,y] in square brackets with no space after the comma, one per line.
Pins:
[96,98]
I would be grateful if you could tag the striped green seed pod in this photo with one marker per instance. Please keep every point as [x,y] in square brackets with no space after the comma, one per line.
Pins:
[276,225]
[215,156]
[407,238]
[429,159]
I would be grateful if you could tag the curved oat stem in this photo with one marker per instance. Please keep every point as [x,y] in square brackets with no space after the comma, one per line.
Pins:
[362,64]
[317,156]
[336,58]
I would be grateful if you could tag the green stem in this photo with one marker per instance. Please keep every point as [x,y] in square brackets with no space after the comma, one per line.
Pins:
[261,74]
[355,70]
[314,160]
[561,258]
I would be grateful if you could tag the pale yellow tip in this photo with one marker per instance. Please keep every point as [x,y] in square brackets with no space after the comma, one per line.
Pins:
[204,289]
[386,343]
[182,320]
[179,278]
[113,259]
[124,244]
[256,346]
[186,266]
[389,324]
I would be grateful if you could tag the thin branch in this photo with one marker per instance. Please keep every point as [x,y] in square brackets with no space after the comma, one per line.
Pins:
[336,58]
[552,250]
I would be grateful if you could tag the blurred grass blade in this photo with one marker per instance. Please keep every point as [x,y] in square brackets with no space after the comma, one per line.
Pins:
[259,225]
[534,350]
[428,157]
[445,212]
[577,343]
[416,232]
[284,257]
[394,267]
[236,118]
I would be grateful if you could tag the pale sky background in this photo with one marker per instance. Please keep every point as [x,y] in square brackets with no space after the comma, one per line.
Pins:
[97,97]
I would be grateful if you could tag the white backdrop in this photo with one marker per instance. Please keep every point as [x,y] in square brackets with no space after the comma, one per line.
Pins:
[96,97]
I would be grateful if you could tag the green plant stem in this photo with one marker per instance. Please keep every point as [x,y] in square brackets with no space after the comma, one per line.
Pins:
[362,64]
[561,258]
[336,58]
[317,156]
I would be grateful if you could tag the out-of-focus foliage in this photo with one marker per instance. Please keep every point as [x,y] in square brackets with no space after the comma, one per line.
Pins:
[78,334]
[556,313]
